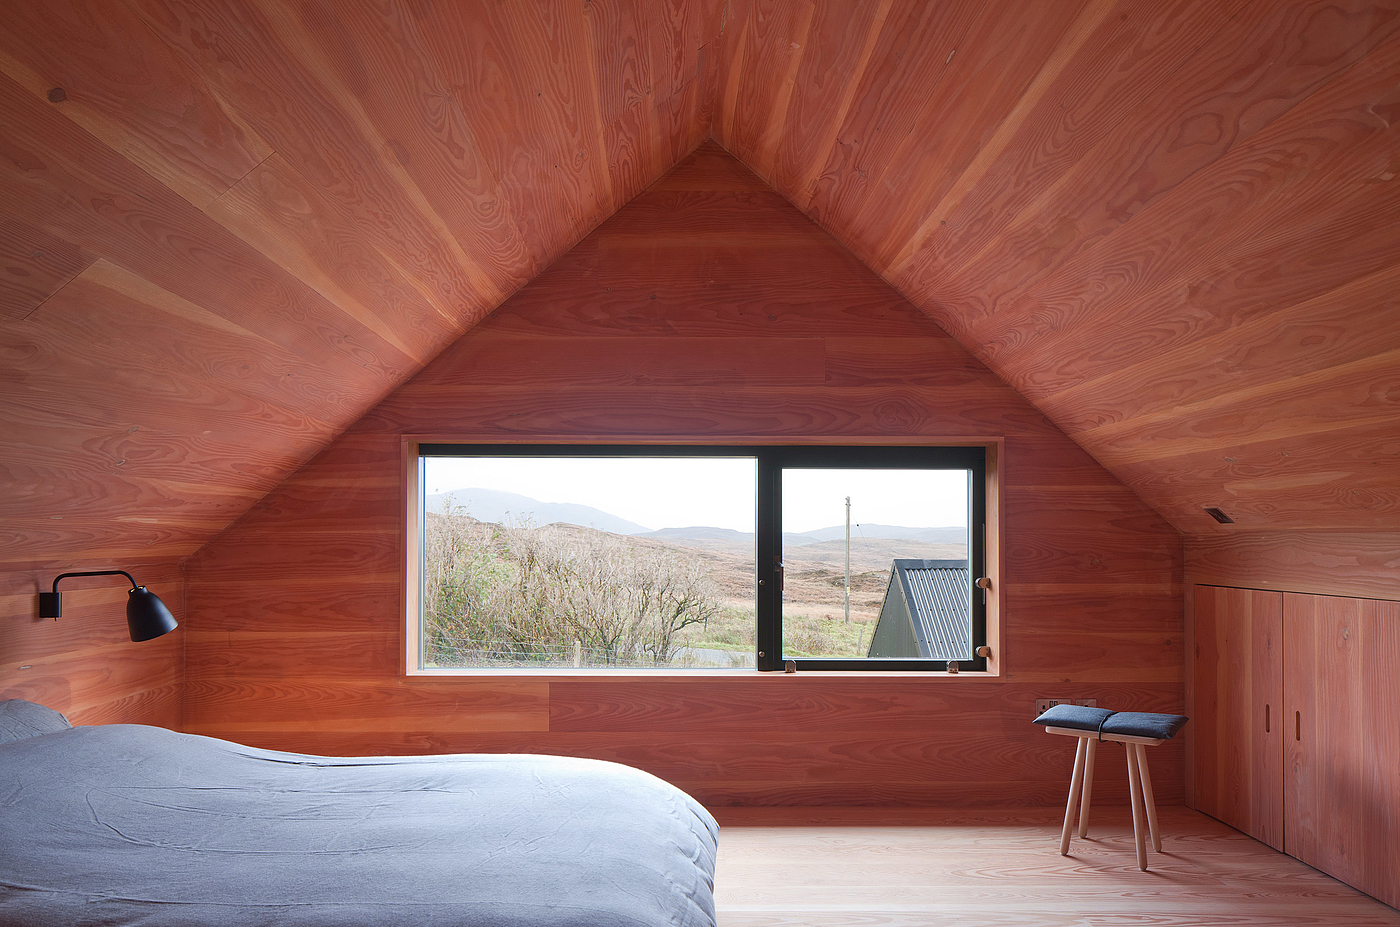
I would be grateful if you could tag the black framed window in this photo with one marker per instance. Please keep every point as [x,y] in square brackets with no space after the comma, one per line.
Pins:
[909,559]
[679,557]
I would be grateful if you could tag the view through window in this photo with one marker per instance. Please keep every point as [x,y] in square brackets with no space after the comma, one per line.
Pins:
[831,558]
[875,564]
[566,561]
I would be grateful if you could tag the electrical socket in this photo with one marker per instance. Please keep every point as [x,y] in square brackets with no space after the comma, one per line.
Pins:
[1042,705]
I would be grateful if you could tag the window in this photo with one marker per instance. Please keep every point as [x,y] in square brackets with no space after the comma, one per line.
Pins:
[899,580]
[682,558]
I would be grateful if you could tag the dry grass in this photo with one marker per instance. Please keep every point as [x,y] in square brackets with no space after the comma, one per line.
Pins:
[718,576]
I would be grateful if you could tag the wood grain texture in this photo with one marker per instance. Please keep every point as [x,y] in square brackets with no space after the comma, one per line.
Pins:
[191,419]
[761,328]
[909,867]
[1237,706]
[1354,563]
[33,266]
[1342,784]
[84,664]
[226,230]
[185,367]
[1168,226]
[131,91]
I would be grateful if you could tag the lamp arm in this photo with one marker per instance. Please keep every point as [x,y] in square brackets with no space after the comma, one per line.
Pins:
[96,573]
[147,617]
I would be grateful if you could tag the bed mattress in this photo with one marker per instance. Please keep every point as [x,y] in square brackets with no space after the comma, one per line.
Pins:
[131,825]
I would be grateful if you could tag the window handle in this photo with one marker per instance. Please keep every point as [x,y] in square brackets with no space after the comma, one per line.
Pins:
[1266,718]
[778,568]
[1298,726]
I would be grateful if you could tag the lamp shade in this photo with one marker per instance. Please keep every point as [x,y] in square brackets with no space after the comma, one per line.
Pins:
[146,615]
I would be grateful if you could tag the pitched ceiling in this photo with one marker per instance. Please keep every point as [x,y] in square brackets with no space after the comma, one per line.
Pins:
[1171,226]
[228,229]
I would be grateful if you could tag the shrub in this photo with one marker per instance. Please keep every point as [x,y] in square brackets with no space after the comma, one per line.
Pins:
[520,593]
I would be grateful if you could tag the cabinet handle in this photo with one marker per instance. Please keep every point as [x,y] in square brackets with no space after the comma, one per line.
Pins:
[1298,725]
[1266,719]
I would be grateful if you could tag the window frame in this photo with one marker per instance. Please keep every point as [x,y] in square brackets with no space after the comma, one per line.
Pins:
[881,457]
[978,458]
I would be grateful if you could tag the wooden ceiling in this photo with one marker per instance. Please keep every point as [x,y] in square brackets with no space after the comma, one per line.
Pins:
[238,226]
[1173,226]
[227,229]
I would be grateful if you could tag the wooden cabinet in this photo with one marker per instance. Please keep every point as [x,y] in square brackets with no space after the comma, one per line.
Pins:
[1237,673]
[1320,778]
[1342,749]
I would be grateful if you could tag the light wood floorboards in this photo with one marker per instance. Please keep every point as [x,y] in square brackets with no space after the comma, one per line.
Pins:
[919,867]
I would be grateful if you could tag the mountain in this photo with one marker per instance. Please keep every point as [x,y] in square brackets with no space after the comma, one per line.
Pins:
[702,533]
[495,506]
[867,553]
[955,534]
[859,533]
[501,507]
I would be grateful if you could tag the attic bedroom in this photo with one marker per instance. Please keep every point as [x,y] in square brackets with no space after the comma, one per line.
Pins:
[259,258]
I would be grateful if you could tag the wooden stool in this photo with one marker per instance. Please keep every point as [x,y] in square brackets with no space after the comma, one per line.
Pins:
[1135,731]
[1081,786]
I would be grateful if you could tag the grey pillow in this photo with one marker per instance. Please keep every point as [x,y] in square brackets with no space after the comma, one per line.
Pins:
[20,719]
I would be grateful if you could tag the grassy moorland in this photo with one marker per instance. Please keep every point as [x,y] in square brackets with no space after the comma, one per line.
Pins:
[556,594]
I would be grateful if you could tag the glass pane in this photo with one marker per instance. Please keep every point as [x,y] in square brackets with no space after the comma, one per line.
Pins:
[588,562]
[896,585]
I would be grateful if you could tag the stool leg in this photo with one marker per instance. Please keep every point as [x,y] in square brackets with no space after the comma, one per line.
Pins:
[1074,784]
[1147,798]
[1135,790]
[1088,787]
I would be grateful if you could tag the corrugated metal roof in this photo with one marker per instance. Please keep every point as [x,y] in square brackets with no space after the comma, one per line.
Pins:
[939,596]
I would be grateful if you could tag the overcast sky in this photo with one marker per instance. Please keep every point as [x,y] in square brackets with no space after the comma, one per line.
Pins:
[677,492]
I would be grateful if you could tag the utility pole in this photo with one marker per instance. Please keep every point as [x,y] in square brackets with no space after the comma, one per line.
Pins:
[848,560]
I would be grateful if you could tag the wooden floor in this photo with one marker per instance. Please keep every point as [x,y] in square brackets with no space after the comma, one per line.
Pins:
[1004,868]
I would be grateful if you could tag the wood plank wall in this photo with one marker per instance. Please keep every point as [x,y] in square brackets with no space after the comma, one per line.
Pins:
[1347,563]
[83,664]
[708,309]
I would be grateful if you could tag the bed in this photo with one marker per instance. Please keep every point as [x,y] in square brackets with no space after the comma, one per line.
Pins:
[123,824]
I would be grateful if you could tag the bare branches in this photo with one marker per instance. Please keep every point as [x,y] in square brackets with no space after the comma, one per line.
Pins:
[527,594]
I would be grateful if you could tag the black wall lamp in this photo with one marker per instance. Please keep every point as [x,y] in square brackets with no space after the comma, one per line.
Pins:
[146,615]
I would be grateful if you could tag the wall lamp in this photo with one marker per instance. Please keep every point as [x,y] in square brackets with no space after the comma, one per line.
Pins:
[146,615]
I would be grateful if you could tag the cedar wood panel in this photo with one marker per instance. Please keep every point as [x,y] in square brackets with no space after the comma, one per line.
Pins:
[84,664]
[708,309]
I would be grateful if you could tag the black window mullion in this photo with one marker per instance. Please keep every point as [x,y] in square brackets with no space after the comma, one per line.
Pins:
[770,594]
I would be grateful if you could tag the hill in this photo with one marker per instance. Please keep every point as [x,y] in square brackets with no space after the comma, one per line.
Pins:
[499,507]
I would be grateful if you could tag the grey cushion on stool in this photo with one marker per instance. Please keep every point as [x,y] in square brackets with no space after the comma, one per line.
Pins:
[1134,723]
[1136,730]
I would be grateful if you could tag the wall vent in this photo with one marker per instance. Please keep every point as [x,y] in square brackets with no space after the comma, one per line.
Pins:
[1219,516]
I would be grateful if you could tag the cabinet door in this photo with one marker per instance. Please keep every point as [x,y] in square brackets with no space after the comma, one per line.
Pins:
[1237,709]
[1342,749]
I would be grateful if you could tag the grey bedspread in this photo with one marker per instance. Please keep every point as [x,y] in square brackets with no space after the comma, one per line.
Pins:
[132,825]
